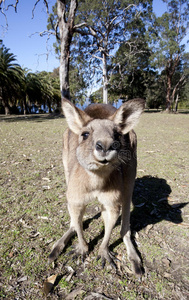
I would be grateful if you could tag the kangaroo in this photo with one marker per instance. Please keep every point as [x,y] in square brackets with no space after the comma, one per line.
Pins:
[99,158]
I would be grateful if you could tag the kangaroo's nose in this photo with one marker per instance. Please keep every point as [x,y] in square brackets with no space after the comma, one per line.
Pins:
[100,146]
[104,146]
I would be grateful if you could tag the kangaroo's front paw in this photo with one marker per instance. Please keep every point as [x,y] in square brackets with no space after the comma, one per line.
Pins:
[104,255]
[81,250]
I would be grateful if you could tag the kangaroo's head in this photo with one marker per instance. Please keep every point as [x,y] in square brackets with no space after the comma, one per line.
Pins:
[101,141]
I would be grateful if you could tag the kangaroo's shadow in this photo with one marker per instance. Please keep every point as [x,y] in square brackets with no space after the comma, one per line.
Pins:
[150,205]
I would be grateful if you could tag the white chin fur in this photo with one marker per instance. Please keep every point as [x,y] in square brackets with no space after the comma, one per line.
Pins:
[112,155]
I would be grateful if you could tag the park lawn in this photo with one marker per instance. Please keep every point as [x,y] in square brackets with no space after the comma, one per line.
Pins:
[33,214]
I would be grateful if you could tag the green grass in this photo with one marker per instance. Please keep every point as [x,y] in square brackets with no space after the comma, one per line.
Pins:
[33,213]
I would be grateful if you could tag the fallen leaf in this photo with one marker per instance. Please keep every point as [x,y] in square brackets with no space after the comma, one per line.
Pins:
[34,234]
[166,275]
[21,279]
[11,254]
[166,262]
[140,204]
[171,199]
[46,179]
[49,242]
[74,293]
[71,270]
[49,284]
[162,199]
[43,217]
[100,296]
[46,187]
[148,228]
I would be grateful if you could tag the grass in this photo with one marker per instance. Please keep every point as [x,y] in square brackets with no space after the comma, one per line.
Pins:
[33,214]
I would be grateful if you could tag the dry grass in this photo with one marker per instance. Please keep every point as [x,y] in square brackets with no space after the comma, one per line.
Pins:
[33,214]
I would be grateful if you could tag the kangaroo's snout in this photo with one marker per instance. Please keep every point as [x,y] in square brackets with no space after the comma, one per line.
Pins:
[105,147]
[105,151]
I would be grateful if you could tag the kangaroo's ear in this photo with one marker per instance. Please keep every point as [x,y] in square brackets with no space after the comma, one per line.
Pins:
[127,116]
[75,117]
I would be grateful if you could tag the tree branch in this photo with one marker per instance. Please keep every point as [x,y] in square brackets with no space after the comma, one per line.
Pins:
[13,5]
[126,8]
[180,82]
[42,33]
[46,4]
[72,10]
[79,25]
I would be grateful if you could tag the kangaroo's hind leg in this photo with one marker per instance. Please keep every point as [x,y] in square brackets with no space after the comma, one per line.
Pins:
[126,233]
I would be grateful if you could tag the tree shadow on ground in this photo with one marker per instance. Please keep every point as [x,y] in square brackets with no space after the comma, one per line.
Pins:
[31,117]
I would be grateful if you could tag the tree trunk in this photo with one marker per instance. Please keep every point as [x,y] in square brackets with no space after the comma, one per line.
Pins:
[64,64]
[7,110]
[176,103]
[179,84]
[168,94]
[105,79]
[25,105]
[49,106]
[5,103]
[66,34]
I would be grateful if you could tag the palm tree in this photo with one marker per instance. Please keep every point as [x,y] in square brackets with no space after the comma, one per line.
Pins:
[50,89]
[30,90]
[10,75]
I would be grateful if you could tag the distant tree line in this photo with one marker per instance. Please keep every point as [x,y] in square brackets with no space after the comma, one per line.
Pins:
[120,44]
[22,90]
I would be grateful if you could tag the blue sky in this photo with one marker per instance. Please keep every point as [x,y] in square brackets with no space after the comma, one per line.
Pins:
[23,40]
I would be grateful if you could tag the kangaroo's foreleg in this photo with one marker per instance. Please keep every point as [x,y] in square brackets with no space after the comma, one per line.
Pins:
[76,213]
[110,215]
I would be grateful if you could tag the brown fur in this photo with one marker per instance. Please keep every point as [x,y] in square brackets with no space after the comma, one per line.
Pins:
[99,157]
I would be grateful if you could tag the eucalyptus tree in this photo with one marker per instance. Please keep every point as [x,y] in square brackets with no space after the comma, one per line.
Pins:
[10,77]
[131,73]
[181,83]
[64,24]
[97,28]
[168,41]
[109,23]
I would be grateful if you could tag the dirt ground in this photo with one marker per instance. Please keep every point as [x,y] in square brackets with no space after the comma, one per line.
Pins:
[33,215]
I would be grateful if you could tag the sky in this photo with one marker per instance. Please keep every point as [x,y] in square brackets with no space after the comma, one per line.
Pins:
[22,35]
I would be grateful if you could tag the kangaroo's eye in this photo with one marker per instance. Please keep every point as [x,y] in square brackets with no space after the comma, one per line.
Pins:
[85,135]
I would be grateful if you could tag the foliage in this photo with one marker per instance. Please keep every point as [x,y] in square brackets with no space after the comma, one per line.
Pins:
[168,48]
[138,55]
[97,96]
[23,88]
[131,75]
[10,73]
[100,27]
